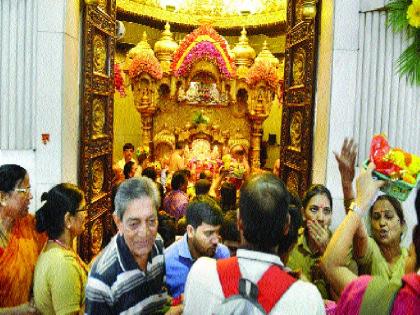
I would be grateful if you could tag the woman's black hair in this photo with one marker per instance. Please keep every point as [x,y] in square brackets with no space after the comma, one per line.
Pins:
[314,190]
[142,157]
[296,222]
[11,175]
[178,180]
[395,204]
[61,199]
[149,172]
[127,169]
[167,228]
[229,230]
[228,197]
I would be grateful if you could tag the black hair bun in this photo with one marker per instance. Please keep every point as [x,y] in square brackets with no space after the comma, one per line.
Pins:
[44,196]
[41,222]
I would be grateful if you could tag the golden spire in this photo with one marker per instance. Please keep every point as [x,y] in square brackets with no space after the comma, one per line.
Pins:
[244,53]
[166,45]
[141,48]
[266,55]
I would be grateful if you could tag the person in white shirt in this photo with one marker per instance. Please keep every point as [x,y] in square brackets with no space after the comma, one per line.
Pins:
[263,221]
[128,151]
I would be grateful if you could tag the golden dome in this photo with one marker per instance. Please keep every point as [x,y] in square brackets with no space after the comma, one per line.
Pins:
[142,47]
[244,53]
[166,46]
[266,55]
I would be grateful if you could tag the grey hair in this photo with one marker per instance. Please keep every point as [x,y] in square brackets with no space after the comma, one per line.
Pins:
[135,188]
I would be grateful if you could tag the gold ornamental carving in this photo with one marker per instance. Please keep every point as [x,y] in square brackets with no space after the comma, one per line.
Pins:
[91,2]
[309,9]
[274,14]
[165,136]
[299,11]
[98,176]
[292,183]
[267,55]
[299,67]
[165,47]
[238,139]
[239,108]
[296,131]
[244,53]
[99,53]
[98,117]
[232,106]
[96,234]
[103,4]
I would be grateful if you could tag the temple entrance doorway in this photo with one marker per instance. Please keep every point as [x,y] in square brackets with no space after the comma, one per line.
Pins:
[219,103]
[299,94]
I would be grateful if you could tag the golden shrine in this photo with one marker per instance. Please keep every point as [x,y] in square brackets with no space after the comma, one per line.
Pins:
[202,93]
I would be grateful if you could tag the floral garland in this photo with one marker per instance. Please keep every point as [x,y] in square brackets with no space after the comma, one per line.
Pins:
[145,63]
[404,16]
[119,80]
[203,51]
[263,71]
[143,149]
[186,50]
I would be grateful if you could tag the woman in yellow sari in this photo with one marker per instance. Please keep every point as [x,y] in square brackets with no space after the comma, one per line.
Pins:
[20,244]
[60,274]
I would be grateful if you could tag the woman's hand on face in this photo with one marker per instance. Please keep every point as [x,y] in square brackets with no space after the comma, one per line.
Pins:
[366,188]
[320,235]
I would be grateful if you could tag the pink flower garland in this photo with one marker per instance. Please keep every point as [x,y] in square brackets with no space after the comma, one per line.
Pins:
[190,38]
[145,63]
[203,51]
[118,80]
[263,71]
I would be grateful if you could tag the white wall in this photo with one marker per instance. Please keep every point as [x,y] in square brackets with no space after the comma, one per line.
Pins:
[356,73]
[55,75]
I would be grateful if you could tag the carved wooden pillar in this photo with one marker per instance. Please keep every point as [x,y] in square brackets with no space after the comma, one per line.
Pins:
[257,116]
[147,110]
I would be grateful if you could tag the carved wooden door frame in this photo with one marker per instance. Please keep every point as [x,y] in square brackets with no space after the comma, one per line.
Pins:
[96,133]
[299,94]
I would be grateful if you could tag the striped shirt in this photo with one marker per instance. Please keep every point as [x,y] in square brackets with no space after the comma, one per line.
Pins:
[116,285]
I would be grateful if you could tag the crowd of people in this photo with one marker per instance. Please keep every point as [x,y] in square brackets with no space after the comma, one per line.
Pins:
[207,246]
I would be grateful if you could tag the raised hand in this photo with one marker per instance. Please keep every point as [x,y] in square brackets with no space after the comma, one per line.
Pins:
[347,160]
[366,189]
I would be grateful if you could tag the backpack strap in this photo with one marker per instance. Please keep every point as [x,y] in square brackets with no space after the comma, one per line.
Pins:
[379,296]
[229,275]
[271,286]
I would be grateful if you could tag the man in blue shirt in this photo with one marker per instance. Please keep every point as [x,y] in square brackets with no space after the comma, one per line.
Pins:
[204,219]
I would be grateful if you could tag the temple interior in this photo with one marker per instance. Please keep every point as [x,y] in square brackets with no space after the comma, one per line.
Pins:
[275,84]
[217,85]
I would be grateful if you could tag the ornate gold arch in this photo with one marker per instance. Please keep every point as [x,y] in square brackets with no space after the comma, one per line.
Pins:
[139,8]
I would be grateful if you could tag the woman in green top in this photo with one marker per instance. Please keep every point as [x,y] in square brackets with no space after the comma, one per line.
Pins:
[314,237]
[60,274]
[381,253]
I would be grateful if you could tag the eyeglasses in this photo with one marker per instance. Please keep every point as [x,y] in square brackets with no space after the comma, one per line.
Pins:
[26,190]
[135,226]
